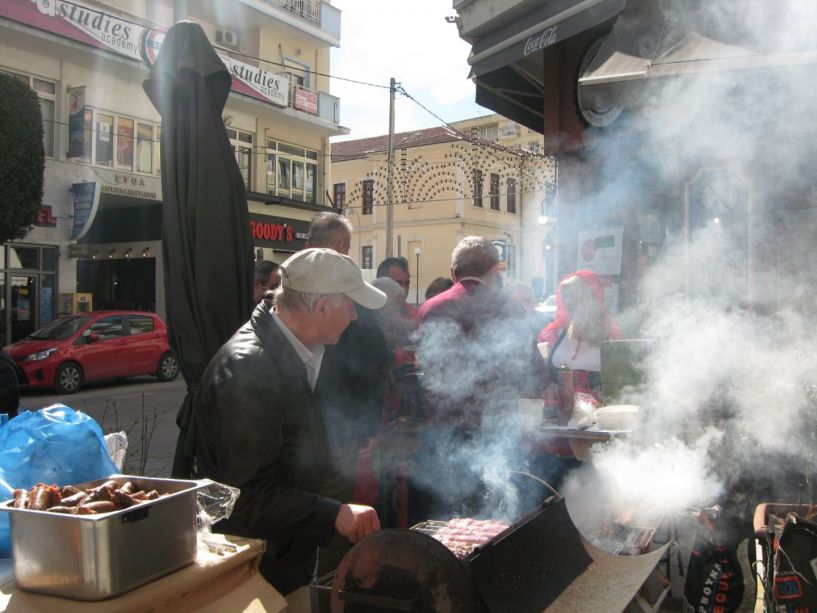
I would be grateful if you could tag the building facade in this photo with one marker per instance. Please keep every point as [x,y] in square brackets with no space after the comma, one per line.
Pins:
[97,242]
[484,176]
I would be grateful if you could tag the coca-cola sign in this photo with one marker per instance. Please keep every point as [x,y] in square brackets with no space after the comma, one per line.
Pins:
[544,39]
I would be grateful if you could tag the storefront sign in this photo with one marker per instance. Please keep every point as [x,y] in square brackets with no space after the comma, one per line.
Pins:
[80,22]
[125,184]
[257,82]
[76,122]
[278,232]
[45,217]
[86,205]
[306,100]
[79,251]
[600,251]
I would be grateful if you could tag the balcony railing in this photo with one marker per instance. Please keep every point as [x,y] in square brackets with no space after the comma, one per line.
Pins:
[307,9]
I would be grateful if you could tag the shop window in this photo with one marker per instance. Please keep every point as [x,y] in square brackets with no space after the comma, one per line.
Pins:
[477,187]
[339,195]
[292,171]
[511,195]
[140,324]
[23,257]
[494,191]
[47,93]
[368,196]
[366,257]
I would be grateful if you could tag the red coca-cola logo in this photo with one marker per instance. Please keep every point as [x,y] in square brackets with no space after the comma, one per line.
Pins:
[271,231]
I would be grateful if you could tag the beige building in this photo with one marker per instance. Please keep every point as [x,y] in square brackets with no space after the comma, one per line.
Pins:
[478,177]
[87,61]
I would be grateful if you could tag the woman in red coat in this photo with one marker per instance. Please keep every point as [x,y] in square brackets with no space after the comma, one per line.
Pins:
[574,337]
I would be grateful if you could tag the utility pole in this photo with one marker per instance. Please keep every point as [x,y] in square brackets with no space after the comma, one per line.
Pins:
[390,175]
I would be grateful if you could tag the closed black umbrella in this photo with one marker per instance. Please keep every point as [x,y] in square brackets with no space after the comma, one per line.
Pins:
[206,242]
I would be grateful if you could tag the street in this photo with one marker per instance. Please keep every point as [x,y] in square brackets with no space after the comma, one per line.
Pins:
[142,407]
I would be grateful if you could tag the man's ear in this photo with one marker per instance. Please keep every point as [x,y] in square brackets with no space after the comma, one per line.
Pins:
[321,305]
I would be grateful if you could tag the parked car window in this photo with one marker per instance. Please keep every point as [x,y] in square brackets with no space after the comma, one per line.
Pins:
[107,327]
[60,329]
[139,324]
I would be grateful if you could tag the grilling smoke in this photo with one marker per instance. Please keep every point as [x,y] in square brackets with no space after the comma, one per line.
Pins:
[730,395]
[731,377]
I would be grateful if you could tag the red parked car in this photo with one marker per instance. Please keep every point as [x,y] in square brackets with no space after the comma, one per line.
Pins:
[76,349]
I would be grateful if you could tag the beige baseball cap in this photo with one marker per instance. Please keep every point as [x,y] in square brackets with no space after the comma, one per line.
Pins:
[325,271]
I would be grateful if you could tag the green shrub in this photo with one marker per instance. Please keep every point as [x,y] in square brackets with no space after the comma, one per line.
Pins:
[22,158]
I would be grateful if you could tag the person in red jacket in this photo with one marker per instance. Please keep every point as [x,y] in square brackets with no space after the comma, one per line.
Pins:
[574,337]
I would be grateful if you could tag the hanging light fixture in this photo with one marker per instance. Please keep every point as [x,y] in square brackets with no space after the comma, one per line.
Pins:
[145,252]
[111,253]
[128,252]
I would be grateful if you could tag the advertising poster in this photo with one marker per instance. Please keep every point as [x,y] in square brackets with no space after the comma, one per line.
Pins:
[600,251]
[86,203]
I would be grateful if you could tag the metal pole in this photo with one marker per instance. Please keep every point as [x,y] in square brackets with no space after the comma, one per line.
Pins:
[390,174]
[417,277]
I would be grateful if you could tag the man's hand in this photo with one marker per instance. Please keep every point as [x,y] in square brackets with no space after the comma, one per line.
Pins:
[354,521]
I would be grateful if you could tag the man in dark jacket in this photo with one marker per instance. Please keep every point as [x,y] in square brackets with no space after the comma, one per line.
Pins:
[259,426]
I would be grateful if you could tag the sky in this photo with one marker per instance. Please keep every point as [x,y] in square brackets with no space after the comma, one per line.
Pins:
[411,42]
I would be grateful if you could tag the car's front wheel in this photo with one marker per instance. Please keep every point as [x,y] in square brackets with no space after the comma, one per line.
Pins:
[168,368]
[68,378]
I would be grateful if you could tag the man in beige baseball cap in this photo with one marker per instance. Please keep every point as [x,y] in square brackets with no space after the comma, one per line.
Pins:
[258,424]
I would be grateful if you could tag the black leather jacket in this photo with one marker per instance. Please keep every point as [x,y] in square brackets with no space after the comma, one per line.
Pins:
[259,428]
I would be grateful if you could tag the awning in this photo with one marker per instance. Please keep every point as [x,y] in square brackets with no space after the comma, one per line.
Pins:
[123,219]
[642,47]
[508,66]
[544,26]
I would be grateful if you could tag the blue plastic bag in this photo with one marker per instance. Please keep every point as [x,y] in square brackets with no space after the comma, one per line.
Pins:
[53,445]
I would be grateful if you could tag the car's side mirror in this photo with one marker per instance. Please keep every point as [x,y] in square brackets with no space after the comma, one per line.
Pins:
[92,338]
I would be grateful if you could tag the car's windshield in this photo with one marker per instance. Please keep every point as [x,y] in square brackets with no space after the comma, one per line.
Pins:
[60,329]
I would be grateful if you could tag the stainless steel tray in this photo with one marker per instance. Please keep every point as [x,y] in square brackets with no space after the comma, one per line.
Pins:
[93,557]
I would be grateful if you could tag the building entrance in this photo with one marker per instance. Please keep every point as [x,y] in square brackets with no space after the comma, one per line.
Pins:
[128,284]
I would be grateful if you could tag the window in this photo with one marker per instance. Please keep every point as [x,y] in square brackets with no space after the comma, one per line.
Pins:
[119,141]
[103,147]
[366,257]
[477,187]
[108,327]
[339,195]
[139,324]
[511,191]
[124,143]
[292,171]
[489,132]
[241,143]
[368,196]
[144,148]
[47,93]
[494,191]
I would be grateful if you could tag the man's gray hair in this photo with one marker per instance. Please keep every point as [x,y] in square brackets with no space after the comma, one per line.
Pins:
[329,229]
[474,256]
